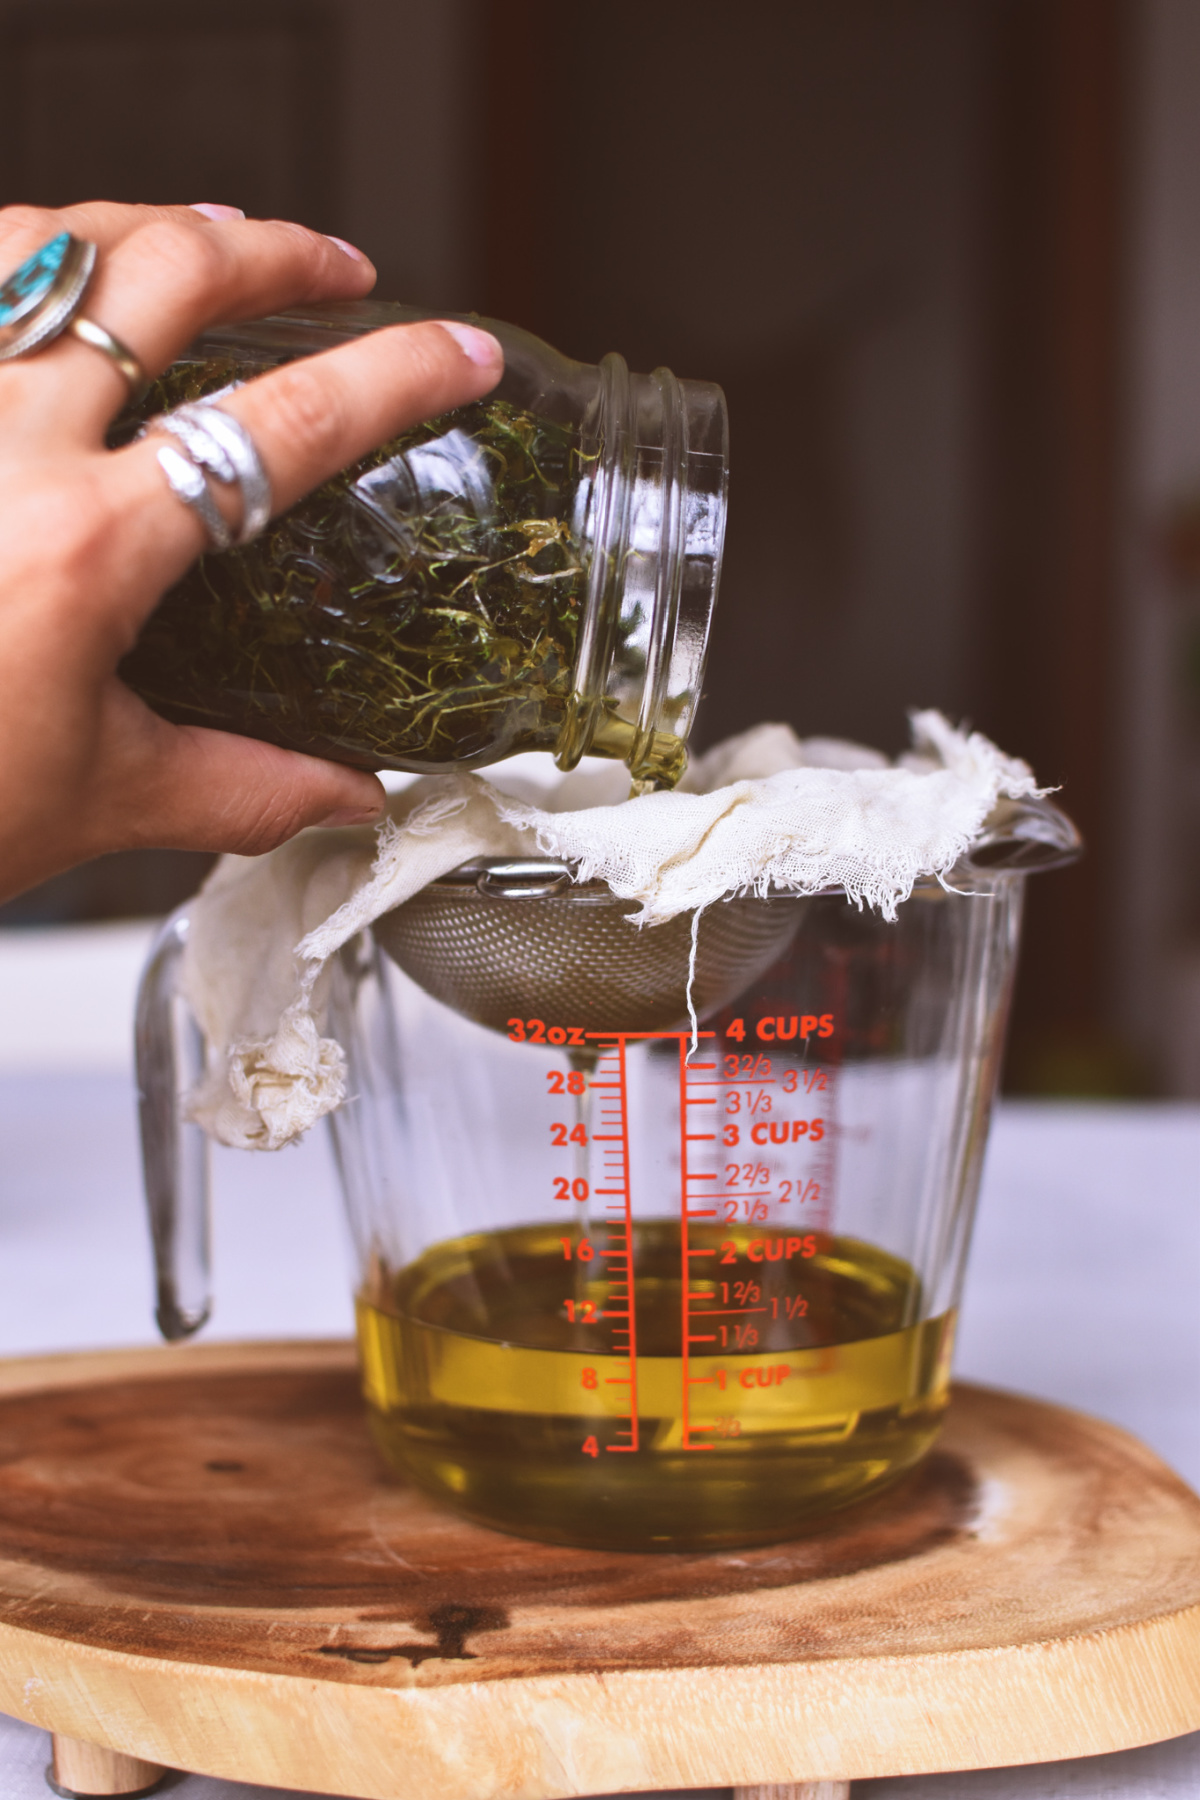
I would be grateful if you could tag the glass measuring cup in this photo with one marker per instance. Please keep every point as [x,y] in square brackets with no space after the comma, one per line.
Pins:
[624,1285]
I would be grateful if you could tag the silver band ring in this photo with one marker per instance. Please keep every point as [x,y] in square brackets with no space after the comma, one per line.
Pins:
[187,483]
[220,444]
[119,354]
[240,450]
[198,441]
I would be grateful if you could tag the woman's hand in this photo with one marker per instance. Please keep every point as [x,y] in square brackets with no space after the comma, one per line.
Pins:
[90,538]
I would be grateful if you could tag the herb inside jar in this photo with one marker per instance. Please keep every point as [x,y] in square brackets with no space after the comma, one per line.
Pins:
[421,609]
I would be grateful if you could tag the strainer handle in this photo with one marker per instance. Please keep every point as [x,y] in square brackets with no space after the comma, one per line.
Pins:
[170,1060]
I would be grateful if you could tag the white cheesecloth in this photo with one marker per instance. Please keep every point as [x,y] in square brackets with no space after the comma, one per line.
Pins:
[763,810]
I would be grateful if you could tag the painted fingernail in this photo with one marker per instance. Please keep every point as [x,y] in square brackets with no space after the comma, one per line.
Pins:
[347,249]
[479,346]
[212,209]
[352,815]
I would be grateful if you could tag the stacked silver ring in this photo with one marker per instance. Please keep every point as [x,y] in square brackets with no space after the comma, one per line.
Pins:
[214,444]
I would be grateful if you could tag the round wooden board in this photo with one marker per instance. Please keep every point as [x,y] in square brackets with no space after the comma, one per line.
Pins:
[203,1564]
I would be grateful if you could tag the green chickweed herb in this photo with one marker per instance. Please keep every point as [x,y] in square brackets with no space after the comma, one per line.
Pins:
[421,608]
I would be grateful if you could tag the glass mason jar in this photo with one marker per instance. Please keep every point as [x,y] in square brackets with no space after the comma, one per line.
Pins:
[620,1286]
[534,571]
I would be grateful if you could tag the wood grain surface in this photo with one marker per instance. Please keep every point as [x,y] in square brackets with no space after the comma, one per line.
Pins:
[203,1564]
[92,1770]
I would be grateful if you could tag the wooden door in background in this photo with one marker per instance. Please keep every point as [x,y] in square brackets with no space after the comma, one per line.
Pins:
[894,230]
[165,100]
[349,115]
[173,100]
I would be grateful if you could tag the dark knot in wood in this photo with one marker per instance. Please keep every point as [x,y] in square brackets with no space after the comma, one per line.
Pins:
[451,1626]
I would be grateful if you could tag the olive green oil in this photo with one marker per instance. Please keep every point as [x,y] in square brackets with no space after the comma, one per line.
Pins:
[807,1382]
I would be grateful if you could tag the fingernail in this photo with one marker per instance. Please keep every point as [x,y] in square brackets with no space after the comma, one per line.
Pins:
[479,346]
[352,815]
[212,209]
[348,249]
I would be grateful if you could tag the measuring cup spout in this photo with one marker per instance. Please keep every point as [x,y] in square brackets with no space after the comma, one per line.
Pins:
[1025,836]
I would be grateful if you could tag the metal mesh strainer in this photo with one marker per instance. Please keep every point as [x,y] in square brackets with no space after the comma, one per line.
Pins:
[501,940]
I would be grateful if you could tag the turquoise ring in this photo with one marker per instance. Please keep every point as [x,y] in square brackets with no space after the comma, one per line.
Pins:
[39,300]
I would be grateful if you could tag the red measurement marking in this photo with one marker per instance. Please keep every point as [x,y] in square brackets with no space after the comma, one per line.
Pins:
[610,1081]
[622,1318]
[727,1081]
[686,1217]
[724,1312]
[614,1037]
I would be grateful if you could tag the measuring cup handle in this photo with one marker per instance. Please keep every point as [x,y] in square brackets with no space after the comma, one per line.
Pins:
[170,1060]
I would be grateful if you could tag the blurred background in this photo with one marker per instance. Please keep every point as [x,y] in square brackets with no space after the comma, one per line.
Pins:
[944,256]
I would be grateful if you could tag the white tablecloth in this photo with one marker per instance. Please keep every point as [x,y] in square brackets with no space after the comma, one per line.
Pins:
[1083,1288]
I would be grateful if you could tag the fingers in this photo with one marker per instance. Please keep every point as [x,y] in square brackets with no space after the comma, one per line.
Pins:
[164,274]
[313,417]
[148,784]
[185,788]
[169,279]
[308,420]
[213,791]
[108,225]
[101,222]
